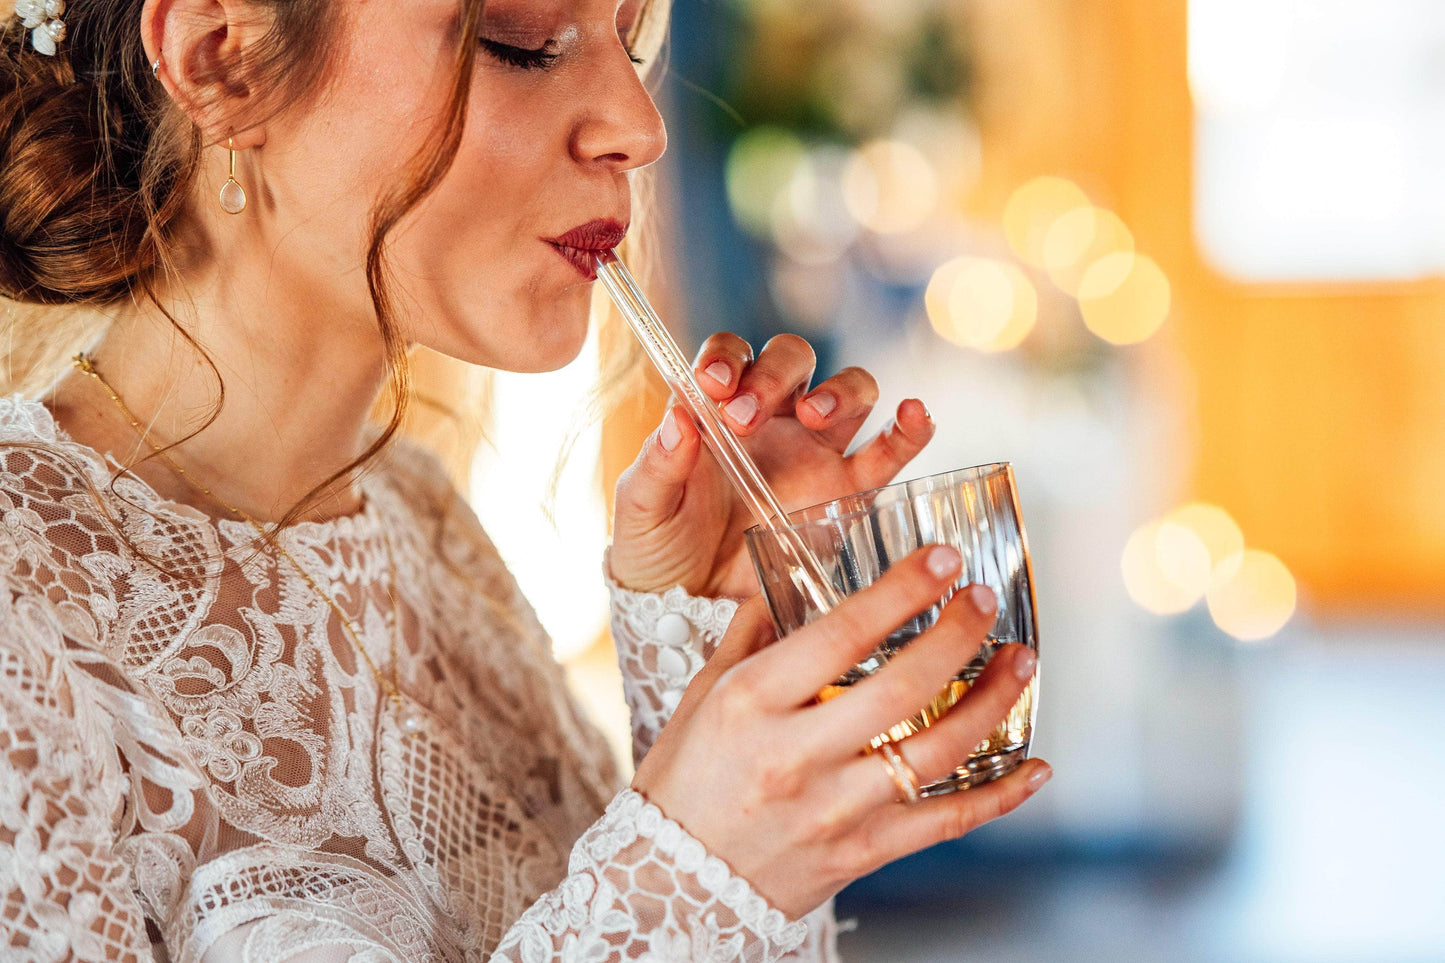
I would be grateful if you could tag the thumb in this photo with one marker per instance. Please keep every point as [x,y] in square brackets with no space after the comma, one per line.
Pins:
[651,489]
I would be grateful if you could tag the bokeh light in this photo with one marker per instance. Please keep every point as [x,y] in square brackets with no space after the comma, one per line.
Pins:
[1124,297]
[890,187]
[809,220]
[1215,529]
[761,168]
[1079,239]
[807,294]
[1183,558]
[1032,210]
[981,303]
[950,142]
[1255,598]
[1166,568]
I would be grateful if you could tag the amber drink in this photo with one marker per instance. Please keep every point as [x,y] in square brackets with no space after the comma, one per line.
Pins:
[858,537]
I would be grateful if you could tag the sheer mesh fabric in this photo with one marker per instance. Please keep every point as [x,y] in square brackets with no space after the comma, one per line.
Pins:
[194,749]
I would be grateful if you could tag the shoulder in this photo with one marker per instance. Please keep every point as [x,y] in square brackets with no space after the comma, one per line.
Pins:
[417,475]
[416,472]
[36,458]
[58,530]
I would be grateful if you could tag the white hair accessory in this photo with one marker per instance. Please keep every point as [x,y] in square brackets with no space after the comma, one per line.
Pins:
[42,19]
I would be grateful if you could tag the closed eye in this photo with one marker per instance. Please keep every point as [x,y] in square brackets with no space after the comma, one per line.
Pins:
[539,59]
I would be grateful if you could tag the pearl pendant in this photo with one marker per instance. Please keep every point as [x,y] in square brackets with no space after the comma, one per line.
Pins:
[233,197]
[411,722]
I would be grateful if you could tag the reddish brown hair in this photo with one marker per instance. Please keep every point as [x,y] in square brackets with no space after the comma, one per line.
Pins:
[97,165]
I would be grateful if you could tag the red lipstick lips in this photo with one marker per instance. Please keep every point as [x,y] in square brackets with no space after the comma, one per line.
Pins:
[583,241]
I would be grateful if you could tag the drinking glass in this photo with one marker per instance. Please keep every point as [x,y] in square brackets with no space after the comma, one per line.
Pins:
[857,538]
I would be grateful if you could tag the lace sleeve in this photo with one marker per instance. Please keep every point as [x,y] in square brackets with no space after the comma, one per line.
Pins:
[639,888]
[64,892]
[662,641]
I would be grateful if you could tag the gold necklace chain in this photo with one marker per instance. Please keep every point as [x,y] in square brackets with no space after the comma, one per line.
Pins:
[410,722]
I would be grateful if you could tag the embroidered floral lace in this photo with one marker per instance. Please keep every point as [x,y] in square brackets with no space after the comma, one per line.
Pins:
[196,766]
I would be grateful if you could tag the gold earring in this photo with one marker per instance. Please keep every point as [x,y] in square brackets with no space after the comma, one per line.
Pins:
[233,196]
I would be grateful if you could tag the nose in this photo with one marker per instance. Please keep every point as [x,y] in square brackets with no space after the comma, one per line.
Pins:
[620,128]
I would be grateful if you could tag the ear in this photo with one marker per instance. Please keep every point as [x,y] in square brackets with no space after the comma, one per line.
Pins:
[204,47]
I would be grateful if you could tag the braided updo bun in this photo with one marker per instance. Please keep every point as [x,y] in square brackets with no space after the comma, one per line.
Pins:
[80,181]
[96,160]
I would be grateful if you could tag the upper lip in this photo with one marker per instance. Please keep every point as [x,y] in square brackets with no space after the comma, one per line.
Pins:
[600,234]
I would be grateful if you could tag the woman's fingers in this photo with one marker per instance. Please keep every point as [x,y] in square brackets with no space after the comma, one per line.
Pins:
[907,829]
[790,674]
[912,679]
[771,384]
[720,362]
[837,408]
[938,750]
[751,391]
[651,489]
[877,461]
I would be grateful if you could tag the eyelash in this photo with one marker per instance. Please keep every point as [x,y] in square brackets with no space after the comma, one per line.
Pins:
[538,59]
[524,59]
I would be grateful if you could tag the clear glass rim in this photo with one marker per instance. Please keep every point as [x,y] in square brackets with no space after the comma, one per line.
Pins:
[804,517]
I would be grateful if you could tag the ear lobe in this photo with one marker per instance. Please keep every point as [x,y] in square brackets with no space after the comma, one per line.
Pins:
[203,45]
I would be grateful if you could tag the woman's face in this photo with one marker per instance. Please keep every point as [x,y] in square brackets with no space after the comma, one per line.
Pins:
[492,266]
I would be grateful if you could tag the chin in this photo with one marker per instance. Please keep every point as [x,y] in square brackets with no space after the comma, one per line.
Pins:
[545,341]
[561,331]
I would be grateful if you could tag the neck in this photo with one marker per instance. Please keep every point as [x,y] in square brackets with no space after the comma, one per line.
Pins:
[300,379]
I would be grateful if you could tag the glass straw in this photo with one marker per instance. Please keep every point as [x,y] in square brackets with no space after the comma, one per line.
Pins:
[736,463]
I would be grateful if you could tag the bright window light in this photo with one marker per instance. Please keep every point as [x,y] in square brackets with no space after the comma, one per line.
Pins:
[553,547]
[1319,137]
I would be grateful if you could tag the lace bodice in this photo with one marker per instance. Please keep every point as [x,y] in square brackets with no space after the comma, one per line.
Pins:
[195,764]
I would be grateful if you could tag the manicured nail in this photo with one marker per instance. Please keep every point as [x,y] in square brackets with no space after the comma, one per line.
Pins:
[1024,665]
[668,434]
[823,403]
[1040,776]
[943,561]
[983,599]
[742,409]
[926,413]
[719,372]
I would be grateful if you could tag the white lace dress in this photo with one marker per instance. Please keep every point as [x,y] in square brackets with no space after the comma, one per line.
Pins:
[196,766]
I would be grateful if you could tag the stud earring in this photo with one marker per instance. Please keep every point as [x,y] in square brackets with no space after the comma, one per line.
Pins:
[233,197]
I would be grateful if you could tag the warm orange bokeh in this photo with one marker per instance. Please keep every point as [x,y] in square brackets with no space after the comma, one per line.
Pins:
[1320,408]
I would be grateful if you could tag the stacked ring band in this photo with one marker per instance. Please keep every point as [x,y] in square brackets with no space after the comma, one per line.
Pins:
[901,773]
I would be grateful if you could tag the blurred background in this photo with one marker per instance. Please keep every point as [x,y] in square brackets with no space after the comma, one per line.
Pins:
[1180,262]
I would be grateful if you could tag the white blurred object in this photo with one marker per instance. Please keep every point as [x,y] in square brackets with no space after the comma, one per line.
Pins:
[557,560]
[1319,137]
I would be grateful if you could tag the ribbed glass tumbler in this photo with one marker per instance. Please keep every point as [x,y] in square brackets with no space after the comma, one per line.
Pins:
[857,538]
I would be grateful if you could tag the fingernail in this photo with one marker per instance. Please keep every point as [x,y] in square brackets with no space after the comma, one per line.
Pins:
[823,403]
[983,599]
[669,434]
[719,372]
[926,413]
[1024,665]
[943,561]
[1040,776]
[742,409]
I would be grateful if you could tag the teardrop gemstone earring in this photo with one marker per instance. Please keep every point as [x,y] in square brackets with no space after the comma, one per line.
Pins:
[233,196]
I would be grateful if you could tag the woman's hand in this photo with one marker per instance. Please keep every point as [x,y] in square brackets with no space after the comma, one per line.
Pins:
[775,784]
[678,521]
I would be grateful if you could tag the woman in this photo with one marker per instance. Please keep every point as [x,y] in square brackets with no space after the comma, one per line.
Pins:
[268,691]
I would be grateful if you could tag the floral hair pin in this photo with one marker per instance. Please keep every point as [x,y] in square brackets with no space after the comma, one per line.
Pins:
[42,19]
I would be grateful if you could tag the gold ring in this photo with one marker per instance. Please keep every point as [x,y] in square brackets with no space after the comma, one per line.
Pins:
[901,773]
